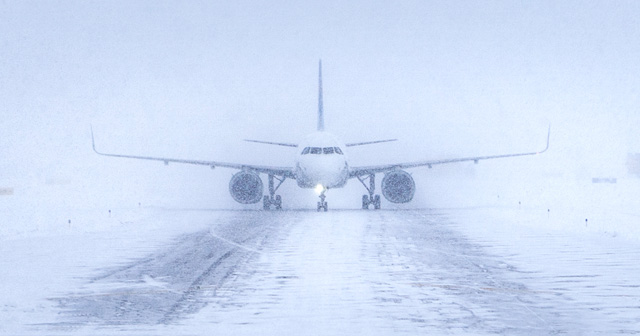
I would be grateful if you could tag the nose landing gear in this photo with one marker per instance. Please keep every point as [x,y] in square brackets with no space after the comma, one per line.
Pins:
[322,204]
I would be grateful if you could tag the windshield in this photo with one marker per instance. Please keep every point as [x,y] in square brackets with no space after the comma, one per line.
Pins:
[323,150]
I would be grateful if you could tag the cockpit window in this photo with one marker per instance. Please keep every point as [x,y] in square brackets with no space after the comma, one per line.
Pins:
[328,150]
[320,150]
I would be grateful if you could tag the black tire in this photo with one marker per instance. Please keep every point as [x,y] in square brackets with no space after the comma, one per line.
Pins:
[365,202]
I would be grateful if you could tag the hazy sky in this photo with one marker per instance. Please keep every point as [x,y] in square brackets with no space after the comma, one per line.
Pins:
[190,79]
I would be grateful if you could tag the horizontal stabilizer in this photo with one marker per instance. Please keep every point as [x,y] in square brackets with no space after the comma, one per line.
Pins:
[272,143]
[368,142]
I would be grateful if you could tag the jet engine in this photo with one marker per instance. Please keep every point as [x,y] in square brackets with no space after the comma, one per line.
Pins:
[398,186]
[246,187]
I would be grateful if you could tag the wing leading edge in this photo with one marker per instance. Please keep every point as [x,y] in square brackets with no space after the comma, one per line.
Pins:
[279,171]
[358,171]
[353,144]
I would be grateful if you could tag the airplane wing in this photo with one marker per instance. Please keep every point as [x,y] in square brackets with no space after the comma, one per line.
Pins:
[368,142]
[279,171]
[358,171]
[272,143]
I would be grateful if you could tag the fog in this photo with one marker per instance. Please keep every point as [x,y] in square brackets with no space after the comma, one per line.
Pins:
[540,244]
[192,80]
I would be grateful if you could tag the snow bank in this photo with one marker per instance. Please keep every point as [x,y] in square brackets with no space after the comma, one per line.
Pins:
[555,204]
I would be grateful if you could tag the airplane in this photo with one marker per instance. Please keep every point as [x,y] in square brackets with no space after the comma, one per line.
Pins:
[321,164]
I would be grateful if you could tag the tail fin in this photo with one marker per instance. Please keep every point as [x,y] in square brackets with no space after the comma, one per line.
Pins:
[320,107]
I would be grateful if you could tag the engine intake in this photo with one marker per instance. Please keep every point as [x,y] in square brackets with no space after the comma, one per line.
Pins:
[246,187]
[398,186]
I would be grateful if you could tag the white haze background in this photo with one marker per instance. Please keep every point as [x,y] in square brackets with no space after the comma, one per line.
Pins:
[192,79]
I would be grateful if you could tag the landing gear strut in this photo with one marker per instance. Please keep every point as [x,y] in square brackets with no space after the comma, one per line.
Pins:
[371,188]
[322,204]
[273,199]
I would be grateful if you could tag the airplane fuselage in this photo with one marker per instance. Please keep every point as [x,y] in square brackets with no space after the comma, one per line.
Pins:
[321,162]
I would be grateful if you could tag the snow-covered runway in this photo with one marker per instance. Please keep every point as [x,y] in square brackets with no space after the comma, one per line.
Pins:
[447,271]
[376,273]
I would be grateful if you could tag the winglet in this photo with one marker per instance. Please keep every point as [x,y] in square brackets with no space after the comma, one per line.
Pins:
[320,107]
[93,144]
[548,137]
[93,141]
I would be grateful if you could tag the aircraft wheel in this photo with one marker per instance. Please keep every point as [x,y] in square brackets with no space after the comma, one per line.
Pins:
[278,202]
[376,202]
[365,202]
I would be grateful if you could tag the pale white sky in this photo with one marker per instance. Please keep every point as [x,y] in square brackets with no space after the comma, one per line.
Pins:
[192,79]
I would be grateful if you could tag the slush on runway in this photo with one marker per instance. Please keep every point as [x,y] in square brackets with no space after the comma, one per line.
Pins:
[381,272]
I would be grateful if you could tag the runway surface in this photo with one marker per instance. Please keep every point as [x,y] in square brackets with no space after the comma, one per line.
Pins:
[383,272]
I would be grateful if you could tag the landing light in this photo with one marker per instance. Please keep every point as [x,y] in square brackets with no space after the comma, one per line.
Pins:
[319,189]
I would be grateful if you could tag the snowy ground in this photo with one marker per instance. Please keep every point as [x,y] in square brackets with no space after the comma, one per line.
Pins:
[467,271]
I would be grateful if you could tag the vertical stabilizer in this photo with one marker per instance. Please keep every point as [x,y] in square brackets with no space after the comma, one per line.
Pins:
[320,107]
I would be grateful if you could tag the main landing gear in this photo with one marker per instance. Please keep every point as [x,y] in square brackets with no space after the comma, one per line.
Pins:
[273,199]
[371,198]
[322,205]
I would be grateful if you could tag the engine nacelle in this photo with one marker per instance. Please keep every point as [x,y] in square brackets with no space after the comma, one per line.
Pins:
[398,186]
[246,187]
